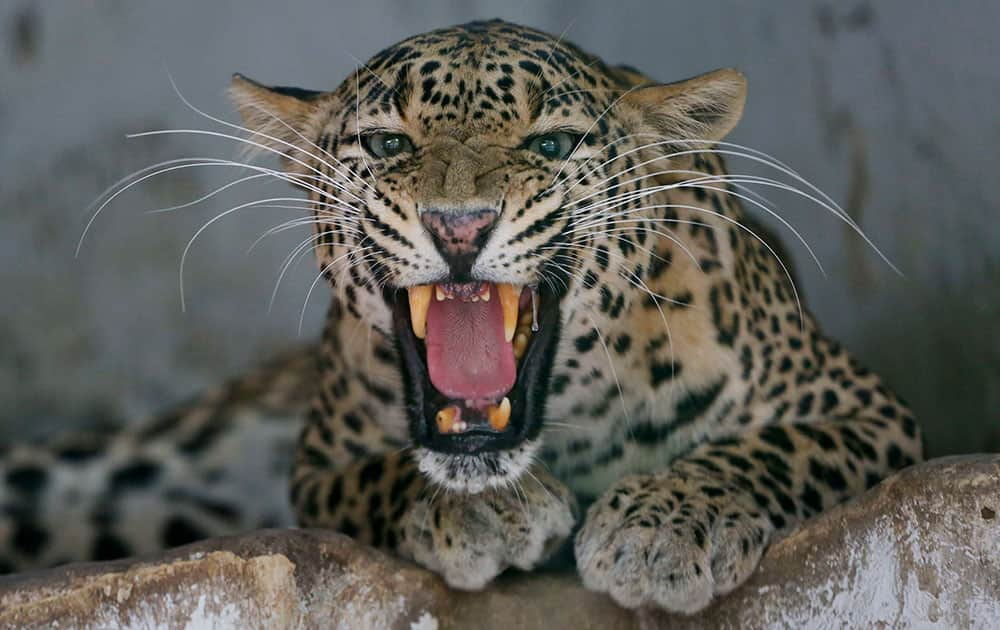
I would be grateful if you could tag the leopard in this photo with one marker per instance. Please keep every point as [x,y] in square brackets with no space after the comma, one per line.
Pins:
[556,327]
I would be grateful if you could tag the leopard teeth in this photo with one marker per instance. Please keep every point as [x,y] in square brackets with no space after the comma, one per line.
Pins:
[510,296]
[499,415]
[420,301]
[449,420]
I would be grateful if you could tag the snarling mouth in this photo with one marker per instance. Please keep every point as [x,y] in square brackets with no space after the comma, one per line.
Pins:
[476,360]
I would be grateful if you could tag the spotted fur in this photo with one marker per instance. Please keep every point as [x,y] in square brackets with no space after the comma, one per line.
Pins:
[692,403]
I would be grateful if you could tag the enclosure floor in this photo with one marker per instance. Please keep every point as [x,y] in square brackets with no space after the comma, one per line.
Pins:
[922,549]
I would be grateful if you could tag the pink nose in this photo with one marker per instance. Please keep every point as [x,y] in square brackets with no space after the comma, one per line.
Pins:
[459,234]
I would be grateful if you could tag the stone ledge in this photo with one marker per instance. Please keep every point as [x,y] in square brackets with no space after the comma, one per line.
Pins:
[921,549]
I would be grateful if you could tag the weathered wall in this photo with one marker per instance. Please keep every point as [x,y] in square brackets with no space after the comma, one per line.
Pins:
[890,107]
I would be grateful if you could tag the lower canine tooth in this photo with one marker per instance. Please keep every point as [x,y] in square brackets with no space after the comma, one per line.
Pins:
[499,415]
[447,419]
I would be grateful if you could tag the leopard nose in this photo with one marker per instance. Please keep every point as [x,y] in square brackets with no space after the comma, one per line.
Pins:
[459,235]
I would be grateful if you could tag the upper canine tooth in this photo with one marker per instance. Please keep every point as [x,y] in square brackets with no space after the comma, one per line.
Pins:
[439,293]
[420,301]
[510,296]
[499,415]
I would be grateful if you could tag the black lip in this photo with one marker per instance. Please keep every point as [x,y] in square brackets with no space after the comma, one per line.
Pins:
[527,397]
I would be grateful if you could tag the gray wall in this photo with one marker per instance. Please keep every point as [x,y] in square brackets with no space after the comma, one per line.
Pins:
[890,107]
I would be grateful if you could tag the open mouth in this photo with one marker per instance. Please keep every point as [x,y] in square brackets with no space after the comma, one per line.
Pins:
[476,360]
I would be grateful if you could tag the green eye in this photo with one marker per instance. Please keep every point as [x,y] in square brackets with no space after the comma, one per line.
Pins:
[387,145]
[554,146]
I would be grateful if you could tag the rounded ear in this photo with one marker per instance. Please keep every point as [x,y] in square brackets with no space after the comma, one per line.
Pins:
[702,109]
[278,116]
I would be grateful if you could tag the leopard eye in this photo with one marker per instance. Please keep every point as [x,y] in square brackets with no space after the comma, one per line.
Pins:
[554,146]
[386,145]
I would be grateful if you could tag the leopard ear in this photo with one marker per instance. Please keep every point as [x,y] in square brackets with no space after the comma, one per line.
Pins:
[279,118]
[704,108]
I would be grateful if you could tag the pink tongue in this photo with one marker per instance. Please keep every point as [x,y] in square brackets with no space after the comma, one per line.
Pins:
[467,355]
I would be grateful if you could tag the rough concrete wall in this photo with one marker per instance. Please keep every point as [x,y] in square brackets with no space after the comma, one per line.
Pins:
[890,107]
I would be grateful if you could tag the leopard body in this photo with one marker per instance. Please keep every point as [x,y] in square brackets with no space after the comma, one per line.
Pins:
[692,407]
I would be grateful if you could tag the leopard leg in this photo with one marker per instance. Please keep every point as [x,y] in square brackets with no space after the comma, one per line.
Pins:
[470,538]
[382,499]
[364,499]
[679,537]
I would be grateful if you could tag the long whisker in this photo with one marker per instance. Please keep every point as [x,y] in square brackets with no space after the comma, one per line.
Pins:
[301,248]
[200,162]
[207,224]
[341,206]
[593,62]
[228,136]
[744,152]
[168,166]
[304,248]
[696,183]
[589,129]
[135,174]
[357,125]
[326,269]
[364,65]
[759,239]
[261,134]
[348,229]
[638,282]
[675,240]
[820,198]
[198,233]
[209,195]
[552,48]
[614,373]
[567,425]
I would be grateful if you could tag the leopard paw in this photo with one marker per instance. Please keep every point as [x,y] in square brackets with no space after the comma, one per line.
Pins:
[471,538]
[653,540]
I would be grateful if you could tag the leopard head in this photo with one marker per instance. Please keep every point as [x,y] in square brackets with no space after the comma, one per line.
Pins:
[462,181]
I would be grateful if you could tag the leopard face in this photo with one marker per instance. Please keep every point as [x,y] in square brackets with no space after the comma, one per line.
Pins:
[483,197]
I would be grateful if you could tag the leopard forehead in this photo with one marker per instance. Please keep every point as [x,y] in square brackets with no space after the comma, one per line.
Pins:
[492,79]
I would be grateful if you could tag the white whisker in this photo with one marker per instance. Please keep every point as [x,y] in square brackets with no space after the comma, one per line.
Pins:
[589,129]
[264,135]
[357,126]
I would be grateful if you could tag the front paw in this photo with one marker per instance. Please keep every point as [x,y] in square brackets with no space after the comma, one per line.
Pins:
[670,542]
[470,538]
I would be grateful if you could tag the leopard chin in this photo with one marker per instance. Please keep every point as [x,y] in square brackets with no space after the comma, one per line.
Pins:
[472,474]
